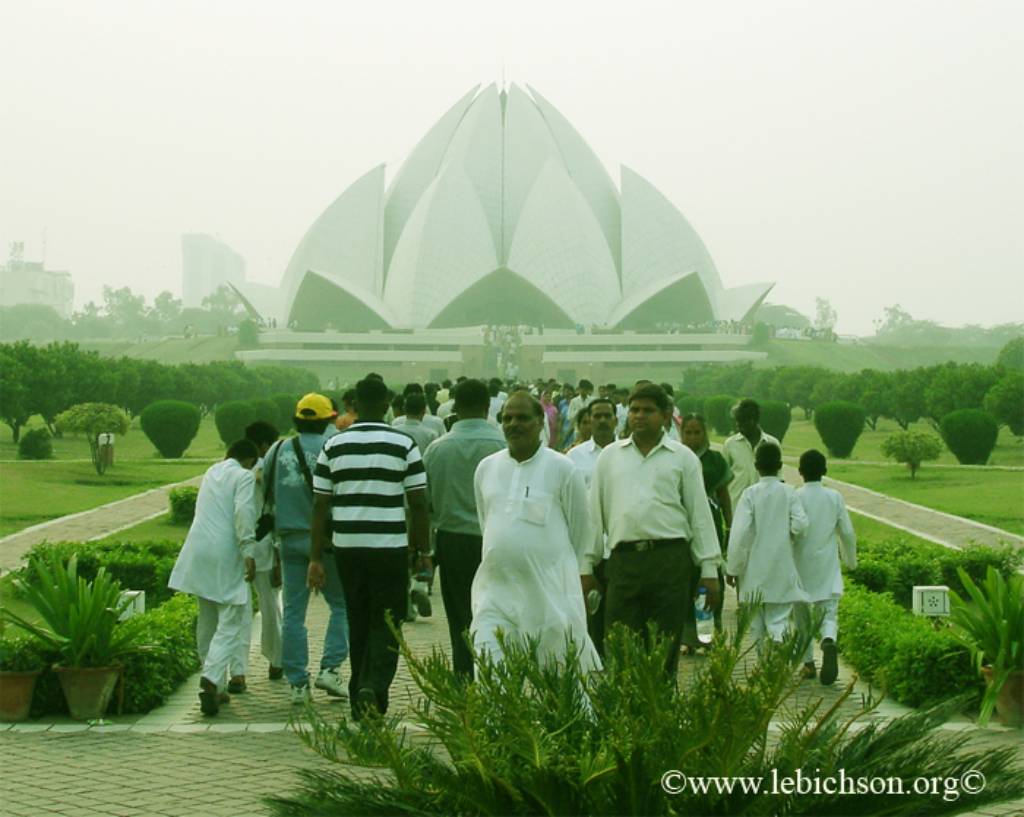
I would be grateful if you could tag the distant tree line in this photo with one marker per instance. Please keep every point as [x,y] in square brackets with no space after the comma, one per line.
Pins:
[47,380]
[123,315]
[928,393]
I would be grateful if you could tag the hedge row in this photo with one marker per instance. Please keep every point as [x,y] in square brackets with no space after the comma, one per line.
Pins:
[149,677]
[915,659]
[137,565]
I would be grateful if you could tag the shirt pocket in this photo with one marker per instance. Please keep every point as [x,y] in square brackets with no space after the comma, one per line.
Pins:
[534,509]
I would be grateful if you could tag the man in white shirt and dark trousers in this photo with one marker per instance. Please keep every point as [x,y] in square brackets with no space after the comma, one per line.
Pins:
[648,499]
[216,565]
[817,561]
[363,480]
[764,525]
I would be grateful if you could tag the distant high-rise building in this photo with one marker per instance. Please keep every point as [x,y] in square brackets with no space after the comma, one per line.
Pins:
[29,282]
[207,264]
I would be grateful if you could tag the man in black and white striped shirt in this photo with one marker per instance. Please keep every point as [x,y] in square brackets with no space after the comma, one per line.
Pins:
[364,478]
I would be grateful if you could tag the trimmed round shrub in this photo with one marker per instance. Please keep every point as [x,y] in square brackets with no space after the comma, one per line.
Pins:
[35,444]
[970,434]
[285,410]
[775,417]
[170,425]
[718,413]
[183,504]
[839,425]
[267,410]
[232,417]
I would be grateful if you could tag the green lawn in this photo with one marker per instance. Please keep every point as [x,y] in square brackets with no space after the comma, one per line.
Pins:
[132,446]
[802,435]
[33,492]
[155,530]
[993,497]
[868,528]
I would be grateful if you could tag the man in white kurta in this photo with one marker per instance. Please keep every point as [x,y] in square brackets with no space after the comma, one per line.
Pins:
[829,536]
[740,449]
[215,564]
[533,510]
[768,518]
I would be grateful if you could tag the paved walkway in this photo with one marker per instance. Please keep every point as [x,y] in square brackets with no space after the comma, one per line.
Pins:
[88,525]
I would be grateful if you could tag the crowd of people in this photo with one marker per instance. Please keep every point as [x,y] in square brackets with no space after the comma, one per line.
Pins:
[552,512]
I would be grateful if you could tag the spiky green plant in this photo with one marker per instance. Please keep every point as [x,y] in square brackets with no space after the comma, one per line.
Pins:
[80,619]
[991,626]
[529,738]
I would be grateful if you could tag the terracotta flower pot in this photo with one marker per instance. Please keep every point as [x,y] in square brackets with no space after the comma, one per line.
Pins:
[87,689]
[16,694]
[1010,701]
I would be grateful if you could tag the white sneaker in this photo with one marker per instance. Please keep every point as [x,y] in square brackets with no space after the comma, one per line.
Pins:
[301,694]
[329,680]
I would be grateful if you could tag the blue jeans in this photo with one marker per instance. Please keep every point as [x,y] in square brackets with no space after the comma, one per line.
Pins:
[295,595]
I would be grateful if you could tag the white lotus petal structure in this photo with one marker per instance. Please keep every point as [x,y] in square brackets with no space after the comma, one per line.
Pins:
[502,214]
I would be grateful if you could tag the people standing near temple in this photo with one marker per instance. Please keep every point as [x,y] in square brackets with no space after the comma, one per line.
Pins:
[290,464]
[364,479]
[648,500]
[412,422]
[550,415]
[829,537]
[581,400]
[216,565]
[761,563]
[348,400]
[740,448]
[532,506]
[584,457]
[582,431]
[451,463]
[267,579]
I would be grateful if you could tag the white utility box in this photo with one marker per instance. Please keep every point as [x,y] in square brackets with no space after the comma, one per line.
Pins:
[931,600]
[138,605]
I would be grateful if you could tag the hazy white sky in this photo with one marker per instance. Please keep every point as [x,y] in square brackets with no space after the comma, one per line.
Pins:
[867,152]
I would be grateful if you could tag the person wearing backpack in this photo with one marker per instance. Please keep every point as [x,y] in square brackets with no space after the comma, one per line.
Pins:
[289,485]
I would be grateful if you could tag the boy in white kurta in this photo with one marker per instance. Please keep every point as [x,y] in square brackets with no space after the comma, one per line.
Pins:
[215,565]
[769,516]
[534,514]
[817,561]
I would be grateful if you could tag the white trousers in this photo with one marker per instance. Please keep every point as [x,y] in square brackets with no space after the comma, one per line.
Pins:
[772,619]
[806,614]
[219,630]
[270,625]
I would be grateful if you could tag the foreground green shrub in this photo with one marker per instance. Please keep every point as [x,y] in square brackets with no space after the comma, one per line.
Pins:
[183,504]
[149,677]
[136,565]
[170,425]
[527,739]
[970,434]
[839,425]
[718,413]
[232,417]
[20,652]
[775,418]
[35,444]
[906,655]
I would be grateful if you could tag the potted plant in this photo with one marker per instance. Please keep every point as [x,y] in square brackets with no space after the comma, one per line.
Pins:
[991,626]
[80,622]
[20,665]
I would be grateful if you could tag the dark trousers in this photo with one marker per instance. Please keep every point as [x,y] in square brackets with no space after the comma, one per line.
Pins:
[652,585]
[595,622]
[376,585]
[458,557]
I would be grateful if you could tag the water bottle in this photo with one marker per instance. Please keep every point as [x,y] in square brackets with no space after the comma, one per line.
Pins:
[705,618]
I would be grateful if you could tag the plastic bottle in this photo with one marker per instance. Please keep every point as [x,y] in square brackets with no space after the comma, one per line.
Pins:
[705,618]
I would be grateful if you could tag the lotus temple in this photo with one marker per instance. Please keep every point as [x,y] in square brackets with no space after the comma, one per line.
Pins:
[502,215]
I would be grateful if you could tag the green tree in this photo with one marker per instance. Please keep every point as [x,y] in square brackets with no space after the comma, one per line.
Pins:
[957,386]
[970,434]
[166,309]
[912,448]
[893,318]
[825,315]
[170,425]
[839,424]
[1005,402]
[93,419]
[14,396]
[1011,356]
[906,396]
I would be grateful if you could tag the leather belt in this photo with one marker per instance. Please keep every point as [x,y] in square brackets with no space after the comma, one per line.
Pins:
[643,545]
